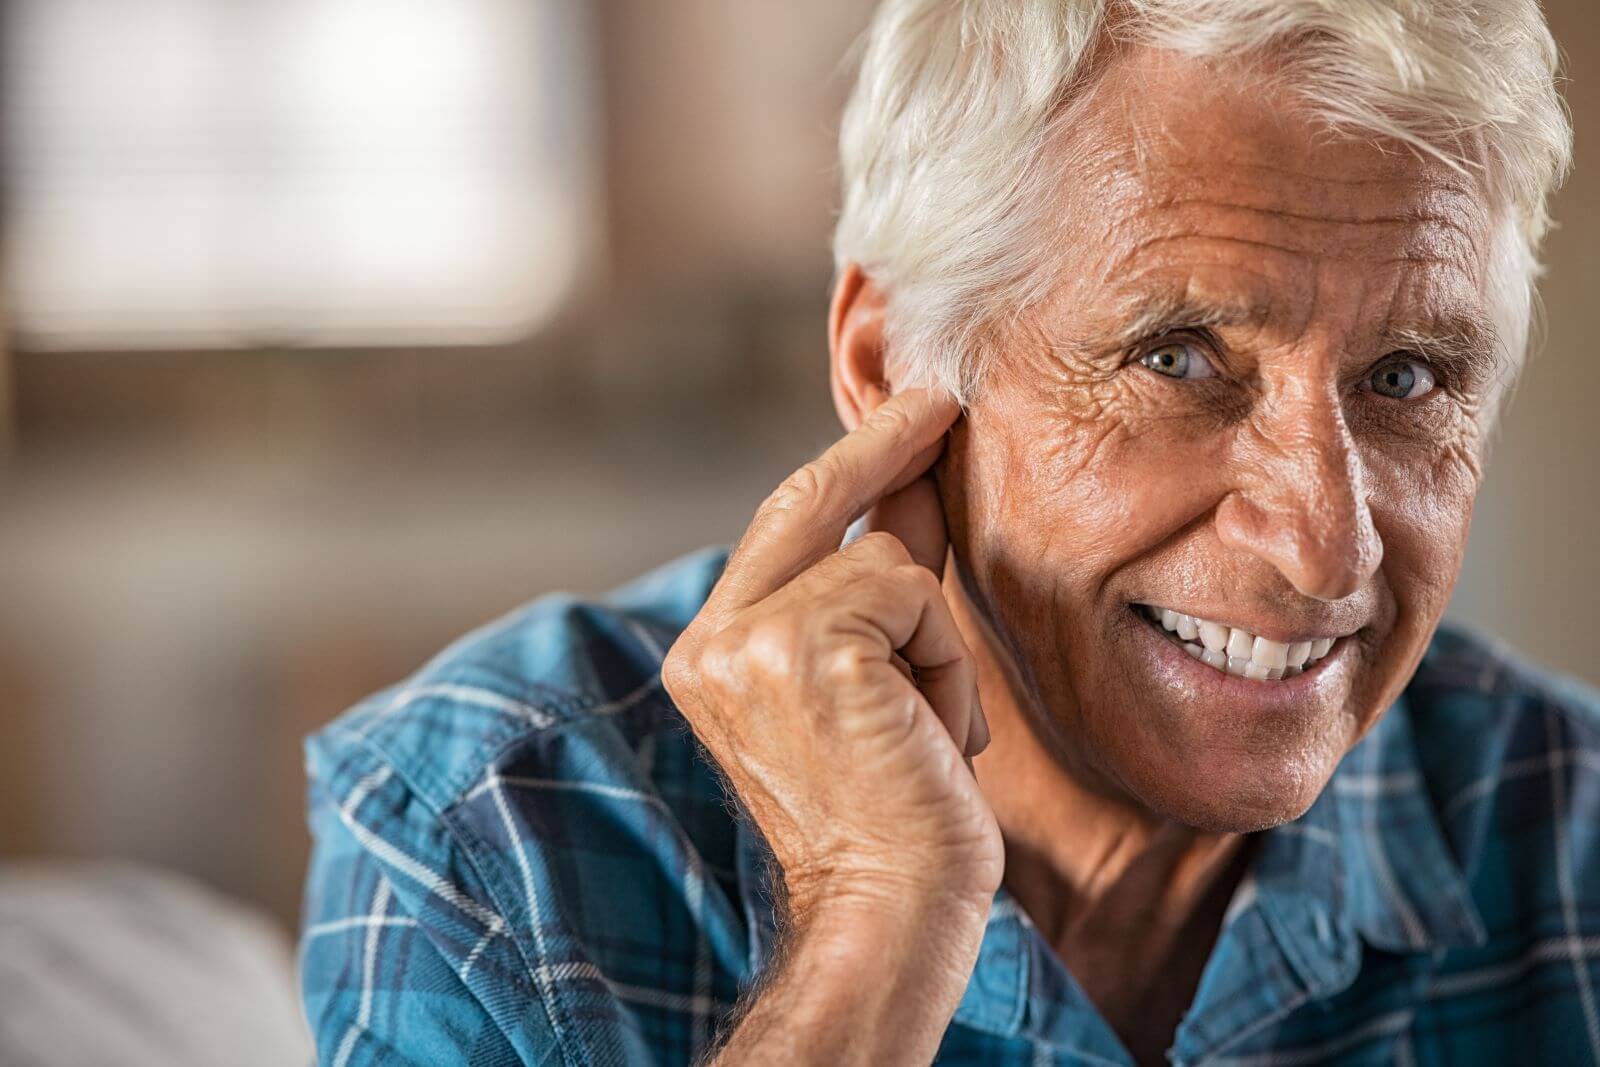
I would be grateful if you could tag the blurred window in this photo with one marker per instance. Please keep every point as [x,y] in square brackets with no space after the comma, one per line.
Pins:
[241,173]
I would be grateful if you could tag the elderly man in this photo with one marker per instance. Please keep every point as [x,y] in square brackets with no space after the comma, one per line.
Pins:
[1169,335]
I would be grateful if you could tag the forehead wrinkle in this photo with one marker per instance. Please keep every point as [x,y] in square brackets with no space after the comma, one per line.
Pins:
[1430,219]
[1421,219]
[1156,135]
[1401,175]
[1423,235]
[1294,170]
[1119,263]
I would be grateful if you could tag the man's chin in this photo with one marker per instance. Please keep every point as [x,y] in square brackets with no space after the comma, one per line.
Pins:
[1244,798]
[1233,817]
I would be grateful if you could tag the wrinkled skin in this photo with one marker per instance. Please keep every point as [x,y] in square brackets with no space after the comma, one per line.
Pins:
[1280,495]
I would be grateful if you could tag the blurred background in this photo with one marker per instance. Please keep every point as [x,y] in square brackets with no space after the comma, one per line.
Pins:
[333,328]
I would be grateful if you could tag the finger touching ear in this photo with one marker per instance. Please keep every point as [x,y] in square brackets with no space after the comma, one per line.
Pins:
[857,348]
[915,516]
[858,374]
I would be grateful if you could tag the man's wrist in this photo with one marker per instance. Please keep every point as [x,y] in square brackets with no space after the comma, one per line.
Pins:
[865,975]
[884,912]
[920,957]
[880,895]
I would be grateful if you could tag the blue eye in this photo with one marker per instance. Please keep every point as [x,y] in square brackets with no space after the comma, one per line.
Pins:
[1178,360]
[1402,379]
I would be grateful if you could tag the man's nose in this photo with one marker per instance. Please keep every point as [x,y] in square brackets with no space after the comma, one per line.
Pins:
[1299,498]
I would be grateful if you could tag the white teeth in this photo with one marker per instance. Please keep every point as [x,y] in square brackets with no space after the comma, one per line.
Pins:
[1238,651]
[1270,653]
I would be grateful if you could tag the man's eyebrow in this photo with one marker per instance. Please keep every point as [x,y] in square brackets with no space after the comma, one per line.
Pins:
[1461,342]
[1143,315]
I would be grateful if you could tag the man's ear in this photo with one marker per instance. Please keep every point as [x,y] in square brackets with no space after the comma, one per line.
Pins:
[857,350]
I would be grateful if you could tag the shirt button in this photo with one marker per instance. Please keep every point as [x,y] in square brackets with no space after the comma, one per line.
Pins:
[1323,928]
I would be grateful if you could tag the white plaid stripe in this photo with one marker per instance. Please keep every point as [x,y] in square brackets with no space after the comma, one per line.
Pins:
[380,909]
[1375,1029]
[1513,771]
[534,919]
[355,922]
[1478,980]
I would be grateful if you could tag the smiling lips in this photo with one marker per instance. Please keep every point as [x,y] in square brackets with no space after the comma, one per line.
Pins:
[1235,650]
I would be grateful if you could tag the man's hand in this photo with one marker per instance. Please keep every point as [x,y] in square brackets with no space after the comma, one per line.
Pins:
[840,699]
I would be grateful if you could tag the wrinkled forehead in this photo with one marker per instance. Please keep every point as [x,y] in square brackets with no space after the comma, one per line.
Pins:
[1210,176]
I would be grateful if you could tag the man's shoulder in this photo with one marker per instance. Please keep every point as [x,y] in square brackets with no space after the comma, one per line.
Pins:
[559,664]
[531,806]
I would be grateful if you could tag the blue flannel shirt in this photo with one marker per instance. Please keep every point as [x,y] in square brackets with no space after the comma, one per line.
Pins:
[522,855]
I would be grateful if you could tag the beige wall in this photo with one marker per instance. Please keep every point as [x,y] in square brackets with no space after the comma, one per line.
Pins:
[1533,568]
[8,419]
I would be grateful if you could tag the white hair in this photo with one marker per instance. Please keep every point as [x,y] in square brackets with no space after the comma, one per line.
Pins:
[943,139]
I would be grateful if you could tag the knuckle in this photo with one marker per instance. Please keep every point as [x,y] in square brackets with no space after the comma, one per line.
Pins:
[718,662]
[801,489]
[883,548]
[918,578]
[890,418]
[774,647]
[847,669]
[677,670]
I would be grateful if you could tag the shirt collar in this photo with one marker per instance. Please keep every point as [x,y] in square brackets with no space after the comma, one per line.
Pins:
[1405,891]
[1369,858]
[1367,863]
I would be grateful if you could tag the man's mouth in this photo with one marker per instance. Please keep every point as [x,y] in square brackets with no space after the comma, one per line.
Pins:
[1235,650]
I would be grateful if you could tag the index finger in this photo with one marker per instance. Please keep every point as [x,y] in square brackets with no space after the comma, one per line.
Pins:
[806,517]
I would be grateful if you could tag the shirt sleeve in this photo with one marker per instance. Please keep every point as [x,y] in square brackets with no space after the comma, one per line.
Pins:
[399,945]
[449,920]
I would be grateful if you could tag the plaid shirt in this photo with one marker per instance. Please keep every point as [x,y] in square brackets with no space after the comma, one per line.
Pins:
[524,856]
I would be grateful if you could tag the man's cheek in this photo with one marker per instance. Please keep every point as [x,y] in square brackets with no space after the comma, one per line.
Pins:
[1423,500]
[983,477]
[1029,512]
[1110,495]
[1005,528]
[1422,508]
[1424,549]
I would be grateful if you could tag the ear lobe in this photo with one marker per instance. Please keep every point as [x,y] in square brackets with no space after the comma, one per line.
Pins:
[858,350]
